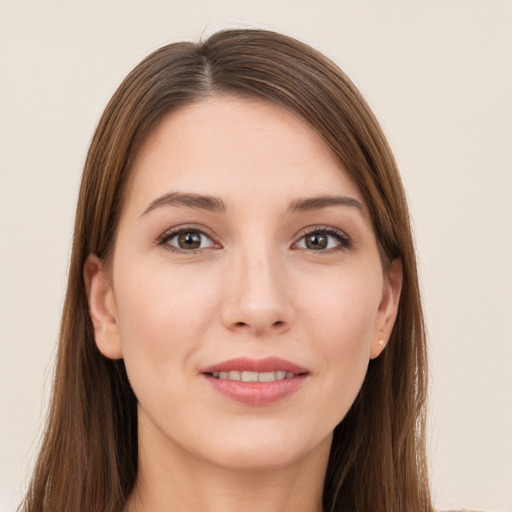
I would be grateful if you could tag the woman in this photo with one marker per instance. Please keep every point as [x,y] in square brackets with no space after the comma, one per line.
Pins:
[242,327]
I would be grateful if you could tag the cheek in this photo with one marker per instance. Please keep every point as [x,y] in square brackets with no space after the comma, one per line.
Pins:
[343,306]
[339,319]
[162,316]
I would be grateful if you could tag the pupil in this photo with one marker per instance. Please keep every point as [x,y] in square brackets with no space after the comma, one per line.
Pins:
[189,240]
[316,241]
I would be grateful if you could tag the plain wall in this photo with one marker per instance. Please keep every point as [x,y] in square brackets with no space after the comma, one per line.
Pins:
[439,77]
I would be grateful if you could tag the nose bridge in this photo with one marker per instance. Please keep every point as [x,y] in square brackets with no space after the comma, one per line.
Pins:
[258,296]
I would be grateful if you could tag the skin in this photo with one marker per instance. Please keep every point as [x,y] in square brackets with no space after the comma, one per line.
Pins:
[253,289]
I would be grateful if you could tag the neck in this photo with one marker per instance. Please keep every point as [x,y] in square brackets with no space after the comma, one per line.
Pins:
[172,480]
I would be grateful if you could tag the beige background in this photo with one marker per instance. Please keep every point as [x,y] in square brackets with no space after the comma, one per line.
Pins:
[439,77]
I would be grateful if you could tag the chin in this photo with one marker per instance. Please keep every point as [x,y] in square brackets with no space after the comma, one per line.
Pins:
[254,461]
[258,453]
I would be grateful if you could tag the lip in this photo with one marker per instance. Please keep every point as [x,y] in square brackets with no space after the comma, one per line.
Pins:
[256,393]
[267,364]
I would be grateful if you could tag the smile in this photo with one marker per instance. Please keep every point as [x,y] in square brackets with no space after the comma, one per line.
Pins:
[256,382]
[247,376]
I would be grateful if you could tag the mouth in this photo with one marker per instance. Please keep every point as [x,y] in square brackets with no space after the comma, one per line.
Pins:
[248,376]
[256,382]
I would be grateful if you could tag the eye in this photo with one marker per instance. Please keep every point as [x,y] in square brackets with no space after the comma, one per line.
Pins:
[186,240]
[324,239]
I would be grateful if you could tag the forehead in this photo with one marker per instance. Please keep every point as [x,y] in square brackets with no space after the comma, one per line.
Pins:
[237,148]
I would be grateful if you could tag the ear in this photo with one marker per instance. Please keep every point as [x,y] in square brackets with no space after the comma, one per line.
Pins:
[388,308]
[102,308]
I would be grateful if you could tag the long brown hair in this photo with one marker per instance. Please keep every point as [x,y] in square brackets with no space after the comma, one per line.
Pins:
[88,458]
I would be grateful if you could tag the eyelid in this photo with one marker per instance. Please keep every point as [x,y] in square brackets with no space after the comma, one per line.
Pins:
[345,242]
[176,230]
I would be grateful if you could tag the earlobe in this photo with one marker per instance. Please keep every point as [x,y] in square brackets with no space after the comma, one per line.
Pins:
[102,308]
[388,308]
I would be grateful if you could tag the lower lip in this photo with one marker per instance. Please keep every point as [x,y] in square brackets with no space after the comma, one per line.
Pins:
[257,393]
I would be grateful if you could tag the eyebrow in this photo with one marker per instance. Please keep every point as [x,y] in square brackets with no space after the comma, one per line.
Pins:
[215,204]
[324,201]
[196,201]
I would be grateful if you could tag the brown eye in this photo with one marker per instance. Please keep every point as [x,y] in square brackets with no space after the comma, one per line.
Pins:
[187,240]
[316,241]
[326,240]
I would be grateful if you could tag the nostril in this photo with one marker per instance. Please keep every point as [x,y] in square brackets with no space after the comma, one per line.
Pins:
[278,323]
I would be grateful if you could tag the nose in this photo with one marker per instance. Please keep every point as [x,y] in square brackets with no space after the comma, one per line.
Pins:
[257,296]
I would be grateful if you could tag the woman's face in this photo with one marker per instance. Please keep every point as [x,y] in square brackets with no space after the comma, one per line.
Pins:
[245,294]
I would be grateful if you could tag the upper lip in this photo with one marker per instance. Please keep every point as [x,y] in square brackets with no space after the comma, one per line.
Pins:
[267,364]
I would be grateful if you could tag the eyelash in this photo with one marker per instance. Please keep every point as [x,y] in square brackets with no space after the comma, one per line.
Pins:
[169,235]
[344,242]
[342,238]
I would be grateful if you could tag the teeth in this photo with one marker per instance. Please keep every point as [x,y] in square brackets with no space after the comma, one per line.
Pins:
[267,377]
[249,376]
[253,376]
